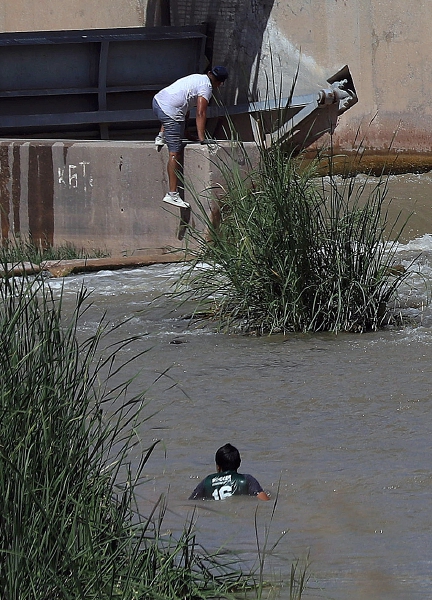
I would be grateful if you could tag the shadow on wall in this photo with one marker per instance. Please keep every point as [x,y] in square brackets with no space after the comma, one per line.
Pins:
[235,29]
[158,13]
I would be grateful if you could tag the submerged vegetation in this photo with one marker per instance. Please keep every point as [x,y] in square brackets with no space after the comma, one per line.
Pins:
[70,525]
[293,252]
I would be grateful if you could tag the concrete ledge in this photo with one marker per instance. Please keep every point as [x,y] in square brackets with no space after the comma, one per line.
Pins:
[62,268]
[18,269]
[99,195]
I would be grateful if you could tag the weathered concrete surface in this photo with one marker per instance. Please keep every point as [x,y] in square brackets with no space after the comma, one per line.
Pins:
[107,195]
[62,268]
[20,268]
[28,15]
[387,46]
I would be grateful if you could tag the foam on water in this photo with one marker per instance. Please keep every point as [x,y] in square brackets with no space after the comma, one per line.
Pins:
[420,244]
[134,281]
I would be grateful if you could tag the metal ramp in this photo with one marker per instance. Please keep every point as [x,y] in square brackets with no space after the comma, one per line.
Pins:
[91,83]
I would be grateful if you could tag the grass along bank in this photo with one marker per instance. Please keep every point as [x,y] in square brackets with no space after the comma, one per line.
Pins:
[19,257]
[294,252]
[21,250]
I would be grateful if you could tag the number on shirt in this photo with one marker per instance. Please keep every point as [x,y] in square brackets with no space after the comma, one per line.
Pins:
[223,492]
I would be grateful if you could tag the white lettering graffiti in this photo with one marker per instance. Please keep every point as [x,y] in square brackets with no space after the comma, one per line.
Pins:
[75,176]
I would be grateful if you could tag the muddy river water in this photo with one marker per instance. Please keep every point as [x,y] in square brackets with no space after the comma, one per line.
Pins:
[338,428]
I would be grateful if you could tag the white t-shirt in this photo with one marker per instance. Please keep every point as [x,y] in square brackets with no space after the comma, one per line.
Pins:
[179,97]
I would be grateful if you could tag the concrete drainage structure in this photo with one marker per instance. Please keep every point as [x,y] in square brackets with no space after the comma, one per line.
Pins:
[77,160]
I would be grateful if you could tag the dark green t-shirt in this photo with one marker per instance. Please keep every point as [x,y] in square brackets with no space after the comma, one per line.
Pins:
[218,486]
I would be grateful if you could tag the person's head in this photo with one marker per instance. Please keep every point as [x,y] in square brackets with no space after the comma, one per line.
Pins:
[218,75]
[228,458]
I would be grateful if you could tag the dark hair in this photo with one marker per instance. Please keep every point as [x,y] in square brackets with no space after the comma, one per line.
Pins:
[220,73]
[228,458]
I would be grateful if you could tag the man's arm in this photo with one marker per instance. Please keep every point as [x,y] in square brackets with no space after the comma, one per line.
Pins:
[201,117]
[198,492]
[187,134]
[255,488]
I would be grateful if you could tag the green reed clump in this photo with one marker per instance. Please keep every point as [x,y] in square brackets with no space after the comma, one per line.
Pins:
[69,524]
[290,254]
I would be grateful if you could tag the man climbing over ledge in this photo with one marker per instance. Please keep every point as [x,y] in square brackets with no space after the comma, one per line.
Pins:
[171,106]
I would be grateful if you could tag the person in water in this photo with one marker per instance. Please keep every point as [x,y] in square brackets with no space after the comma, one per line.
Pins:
[227,482]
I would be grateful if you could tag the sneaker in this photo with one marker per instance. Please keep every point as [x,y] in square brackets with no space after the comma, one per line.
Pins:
[174,199]
[160,141]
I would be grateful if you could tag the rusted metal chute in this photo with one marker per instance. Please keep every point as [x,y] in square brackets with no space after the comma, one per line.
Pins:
[295,122]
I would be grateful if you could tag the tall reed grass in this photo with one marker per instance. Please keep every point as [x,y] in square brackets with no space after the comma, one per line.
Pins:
[294,252]
[70,527]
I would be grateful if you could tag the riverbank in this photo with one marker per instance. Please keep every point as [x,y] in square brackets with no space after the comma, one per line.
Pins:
[63,268]
[374,163]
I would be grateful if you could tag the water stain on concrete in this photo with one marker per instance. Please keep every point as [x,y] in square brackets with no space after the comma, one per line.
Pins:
[4,192]
[16,188]
[41,195]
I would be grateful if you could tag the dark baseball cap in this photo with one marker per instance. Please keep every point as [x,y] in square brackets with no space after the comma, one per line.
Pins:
[220,73]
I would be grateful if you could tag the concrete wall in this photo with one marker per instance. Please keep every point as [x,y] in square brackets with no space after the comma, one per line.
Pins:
[107,195]
[28,15]
[386,44]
